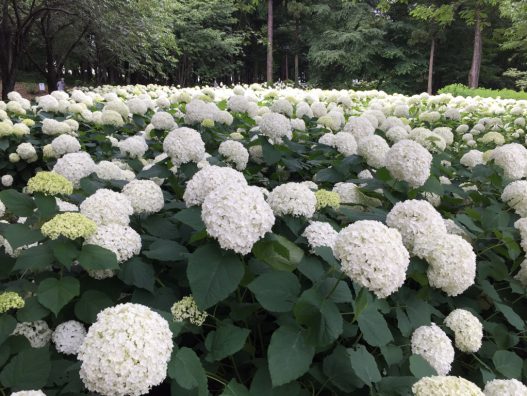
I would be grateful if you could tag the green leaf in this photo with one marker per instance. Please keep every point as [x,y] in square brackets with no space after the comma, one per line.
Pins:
[226,341]
[7,326]
[36,258]
[32,311]
[420,368]
[276,291]
[270,154]
[136,272]
[17,203]
[191,217]
[512,317]
[95,257]
[321,316]
[46,205]
[360,303]
[20,234]
[90,304]
[278,252]
[337,367]
[374,328]
[336,290]
[185,367]
[390,386]
[364,365]
[65,251]
[166,250]
[29,369]
[508,363]
[289,356]
[419,312]
[54,294]
[234,388]
[213,274]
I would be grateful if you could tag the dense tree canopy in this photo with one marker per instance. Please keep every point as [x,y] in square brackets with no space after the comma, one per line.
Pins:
[396,45]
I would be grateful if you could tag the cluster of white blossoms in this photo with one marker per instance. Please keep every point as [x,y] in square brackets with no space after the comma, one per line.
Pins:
[37,333]
[373,255]
[123,240]
[163,120]
[208,179]
[512,158]
[134,146]
[275,126]
[319,233]
[410,162]
[27,152]
[433,345]
[126,351]
[344,142]
[184,145]
[293,199]
[515,195]
[511,387]
[53,127]
[187,309]
[107,170]
[234,152]
[75,166]
[237,216]
[472,158]
[374,149]
[29,393]
[441,385]
[106,207]
[65,144]
[145,196]
[467,329]
[359,127]
[68,337]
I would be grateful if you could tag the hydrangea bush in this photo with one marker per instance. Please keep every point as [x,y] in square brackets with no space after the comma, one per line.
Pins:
[262,241]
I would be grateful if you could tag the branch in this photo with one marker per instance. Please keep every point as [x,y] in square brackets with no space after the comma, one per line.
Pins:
[72,46]
[40,69]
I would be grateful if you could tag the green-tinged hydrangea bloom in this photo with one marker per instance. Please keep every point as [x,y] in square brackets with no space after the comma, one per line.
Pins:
[10,300]
[207,123]
[70,225]
[327,198]
[187,309]
[493,137]
[49,183]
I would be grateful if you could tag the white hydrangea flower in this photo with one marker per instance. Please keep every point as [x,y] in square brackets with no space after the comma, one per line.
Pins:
[445,133]
[134,146]
[111,117]
[512,158]
[137,106]
[235,152]
[126,351]
[163,120]
[359,127]
[75,166]
[29,393]
[65,144]
[409,161]
[37,333]
[48,103]
[374,149]
[208,179]
[66,206]
[522,273]
[123,240]
[415,219]
[328,139]
[373,255]
[184,145]
[292,199]
[276,126]
[397,133]
[107,170]
[145,195]
[345,143]
[282,106]
[511,387]
[515,195]
[237,216]
[107,207]
[7,180]
[472,158]
[26,151]
[440,385]
[187,309]
[68,337]
[467,328]
[53,127]
[319,234]
[433,345]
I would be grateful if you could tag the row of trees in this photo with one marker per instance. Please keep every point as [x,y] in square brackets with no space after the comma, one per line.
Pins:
[397,45]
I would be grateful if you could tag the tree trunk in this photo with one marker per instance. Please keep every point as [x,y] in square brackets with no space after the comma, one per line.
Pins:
[286,66]
[431,66]
[473,76]
[269,41]
[297,45]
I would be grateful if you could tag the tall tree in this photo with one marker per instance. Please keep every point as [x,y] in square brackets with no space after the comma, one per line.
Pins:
[270,18]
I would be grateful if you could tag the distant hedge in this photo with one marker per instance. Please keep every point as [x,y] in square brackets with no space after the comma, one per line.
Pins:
[463,90]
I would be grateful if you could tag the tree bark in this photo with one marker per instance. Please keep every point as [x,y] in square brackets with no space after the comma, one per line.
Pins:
[297,45]
[473,76]
[431,66]
[269,41]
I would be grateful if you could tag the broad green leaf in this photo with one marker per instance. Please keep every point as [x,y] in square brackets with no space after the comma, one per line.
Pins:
[213,274]
[17,203]
[289,356]
[65,251]
[35,258]
[20,234]
[390,386]
[90,304]
[95,257]
[392,354]
[190,217]
[337,367]
[508,363]
[360,303]
[420,368]
[185,367]
[7,325]
[512,317]
[46,205]
[166,250]
[277,291]
[226,341]
[29,369]
[136,272]
[364,365]
[32,311]
[54,294]
[278,252]
[234,388]
[261,385]
[374,328]
[336,290]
